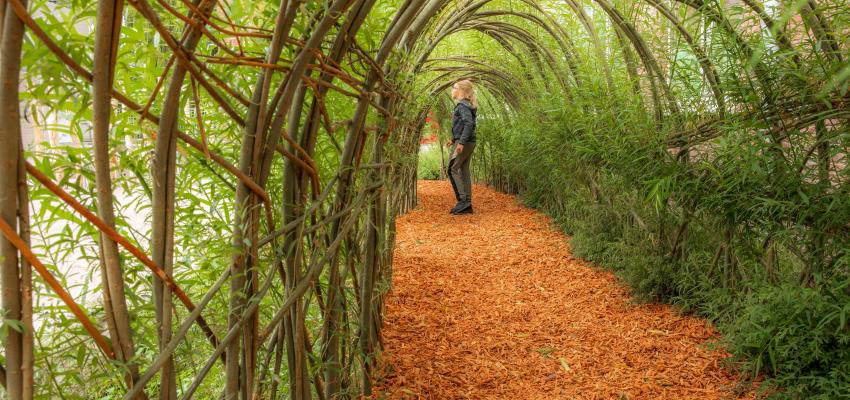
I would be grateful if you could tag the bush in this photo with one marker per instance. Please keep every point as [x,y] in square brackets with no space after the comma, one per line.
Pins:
[727,238]
[800,336]
[430,164]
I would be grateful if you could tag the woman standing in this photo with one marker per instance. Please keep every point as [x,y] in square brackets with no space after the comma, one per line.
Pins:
[463,143]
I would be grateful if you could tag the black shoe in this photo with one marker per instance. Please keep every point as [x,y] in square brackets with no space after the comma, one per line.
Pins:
[462,208]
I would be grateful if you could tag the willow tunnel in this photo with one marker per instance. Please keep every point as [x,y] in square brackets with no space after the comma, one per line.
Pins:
[198,197]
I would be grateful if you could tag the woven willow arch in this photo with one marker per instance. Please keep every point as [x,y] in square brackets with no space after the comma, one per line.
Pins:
[310,234]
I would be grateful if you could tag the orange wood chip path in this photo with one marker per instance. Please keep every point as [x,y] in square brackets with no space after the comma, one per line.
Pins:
[493,306]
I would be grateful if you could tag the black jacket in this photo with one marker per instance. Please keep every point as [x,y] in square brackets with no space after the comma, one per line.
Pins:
[463,123]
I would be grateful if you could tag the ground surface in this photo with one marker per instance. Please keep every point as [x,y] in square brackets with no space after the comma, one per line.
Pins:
[493,306]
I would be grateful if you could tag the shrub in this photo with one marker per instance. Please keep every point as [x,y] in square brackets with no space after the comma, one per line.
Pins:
[799,336]
[727,238]
[430,164]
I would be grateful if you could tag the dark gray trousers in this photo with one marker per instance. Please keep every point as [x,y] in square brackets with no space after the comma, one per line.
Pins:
[459,172]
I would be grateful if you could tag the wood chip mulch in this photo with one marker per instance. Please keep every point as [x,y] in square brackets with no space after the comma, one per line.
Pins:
[492,305]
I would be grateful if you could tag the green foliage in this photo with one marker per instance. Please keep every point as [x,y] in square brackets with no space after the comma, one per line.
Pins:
[430,166]
[737,212]
[800,336]
[747,230]
[68,364]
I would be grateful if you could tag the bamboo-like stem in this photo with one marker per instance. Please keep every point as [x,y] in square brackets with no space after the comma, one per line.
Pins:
[253,133]
[19,243]
[168,350]
[114,235]
[79,70]
[164,172]
[11,41]
[28,340]
[107,27]
[313,272]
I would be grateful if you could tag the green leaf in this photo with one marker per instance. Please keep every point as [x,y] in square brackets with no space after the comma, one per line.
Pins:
[565,365]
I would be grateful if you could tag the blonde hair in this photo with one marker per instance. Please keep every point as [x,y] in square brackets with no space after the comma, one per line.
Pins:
[467,89]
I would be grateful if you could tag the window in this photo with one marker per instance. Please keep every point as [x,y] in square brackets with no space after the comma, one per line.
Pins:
[86,132]
[64,138]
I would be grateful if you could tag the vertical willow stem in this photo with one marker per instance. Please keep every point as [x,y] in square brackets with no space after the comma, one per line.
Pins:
[2,17]
[107,31]
[367,285]
[164,171]
[28,345]
[10,144]
[293,246]
[252,137]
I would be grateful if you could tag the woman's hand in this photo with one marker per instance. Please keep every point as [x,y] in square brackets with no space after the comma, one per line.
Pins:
[449,142]
[459,148]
